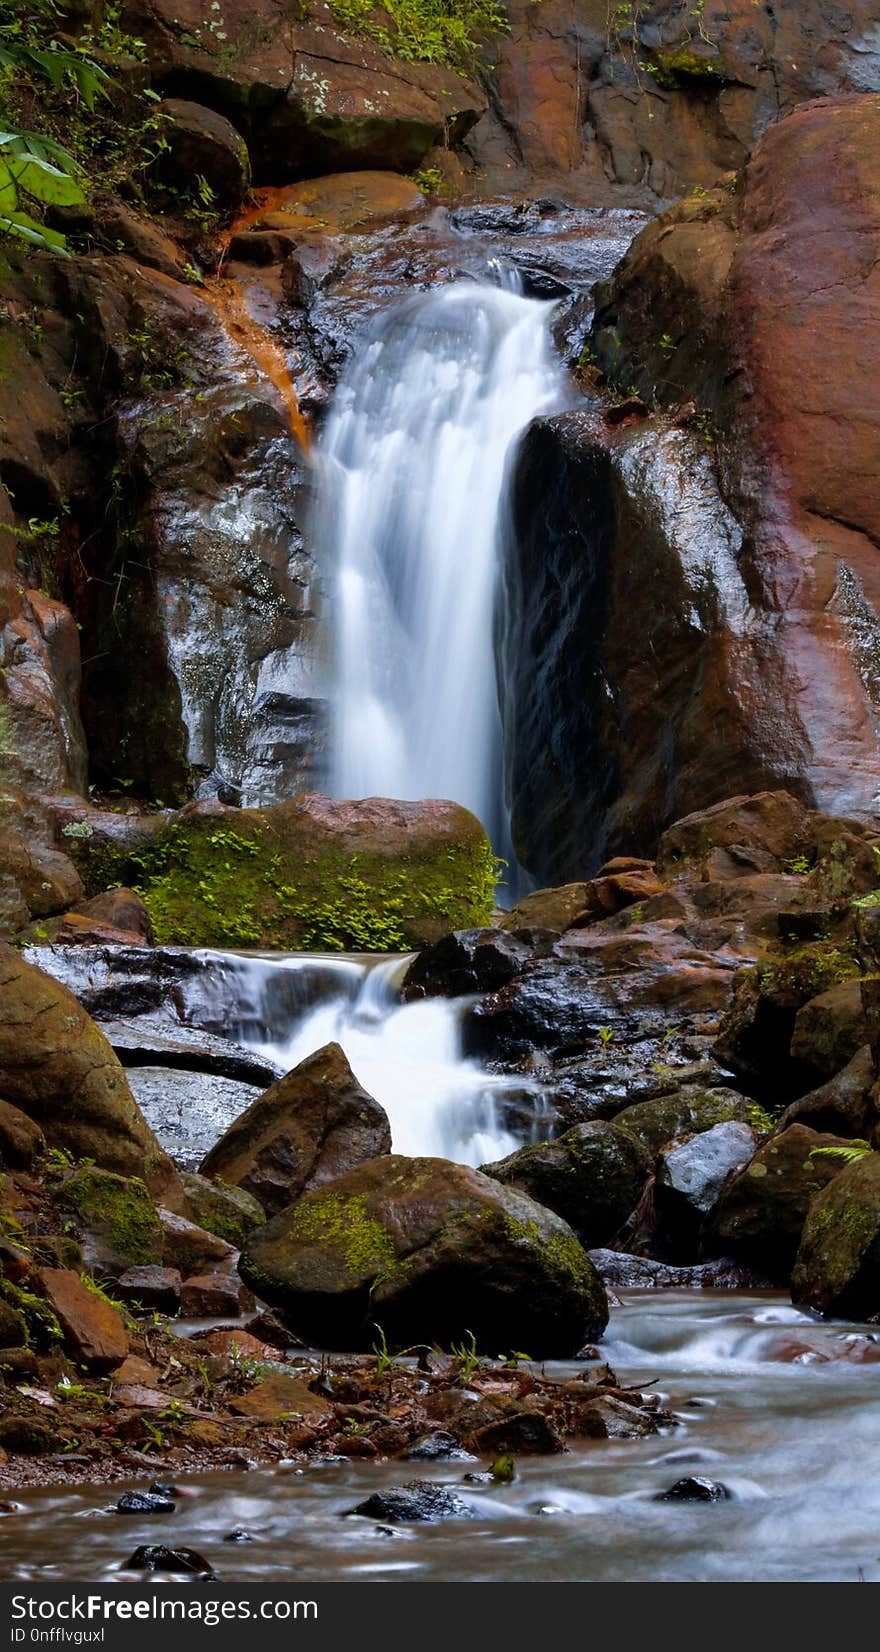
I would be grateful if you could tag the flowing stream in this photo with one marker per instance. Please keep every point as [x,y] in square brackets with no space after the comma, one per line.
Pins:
[412,468]
[779,1409]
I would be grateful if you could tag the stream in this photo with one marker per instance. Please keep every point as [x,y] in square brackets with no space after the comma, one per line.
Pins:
[778,1408]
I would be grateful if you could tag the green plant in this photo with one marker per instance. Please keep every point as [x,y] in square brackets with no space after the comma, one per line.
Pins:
[666,345]
[849,1153]
[385,1359]
[430,180]
[797,865]
[466,1358]
[428,31]
[606,1035]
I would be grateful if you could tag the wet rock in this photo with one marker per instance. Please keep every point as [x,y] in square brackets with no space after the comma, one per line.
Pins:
[438,1447]
[837,1270]
[315,1124]
[523,1432]
[690,1178]
[21,1140]
[592,1176]
[155,1557]
[433,1252]
[830,1030]
[192,1249]
[843,1105]
[694,1488]
[555,909]
[202,143]
[145,1502]
[12,1327]
[687,1112]
[118,1221]
[419,1501]
[638,1273]
[142,1044]
[56,1066]
[93,1330]
[609,1418]
[229,1212]
[209,1295]
[318,211]
[117,916]
[279,1395]
[761,833]
[151,1288]
[239,1534]
[30,1436]
[477,960]
[762,1211]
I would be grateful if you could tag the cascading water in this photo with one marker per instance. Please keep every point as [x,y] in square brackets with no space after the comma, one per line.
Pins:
[412,468]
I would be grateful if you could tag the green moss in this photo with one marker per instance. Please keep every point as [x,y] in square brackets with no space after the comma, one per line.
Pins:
[205,884]
[340,1224]
[41,1324]
[682,66]
[427,31]
[121,1207]
[564,1253]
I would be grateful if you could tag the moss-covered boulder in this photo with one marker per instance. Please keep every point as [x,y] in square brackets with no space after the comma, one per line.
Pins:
[761,1212]
[116,1217]
[685,1112]
[432,1252]
[837,1270]
[367,876]
[229,1212]
[830,1029]
[58,1068]
[592,1176]
[312,1126]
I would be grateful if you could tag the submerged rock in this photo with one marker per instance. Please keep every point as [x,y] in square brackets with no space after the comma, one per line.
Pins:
[420,1500]
[315,1124]
[694,1489]
[145,1502]
[592,1176]
[155,1557]
[433,1252]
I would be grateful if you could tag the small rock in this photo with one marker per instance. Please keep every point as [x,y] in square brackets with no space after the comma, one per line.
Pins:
[420,1500]
[93,1330]
[694,1489]
[437,1447]
[144,1502]
[239,1534]
[151,1288]
[155,1557]
[210,1294]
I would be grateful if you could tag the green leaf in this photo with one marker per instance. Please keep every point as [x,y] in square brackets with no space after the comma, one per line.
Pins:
[26,228]
[44,182]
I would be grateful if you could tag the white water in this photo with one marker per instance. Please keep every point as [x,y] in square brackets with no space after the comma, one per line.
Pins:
[408,1056]
[412,468]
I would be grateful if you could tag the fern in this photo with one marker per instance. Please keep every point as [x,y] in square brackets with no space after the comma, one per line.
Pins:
[849,1152]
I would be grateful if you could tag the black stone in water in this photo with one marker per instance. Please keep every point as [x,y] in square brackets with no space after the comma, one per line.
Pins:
[155,1557]
[420,1500]
[238,1535]
[694,1489]
[162,1490]
[144,1502]
[434,1447]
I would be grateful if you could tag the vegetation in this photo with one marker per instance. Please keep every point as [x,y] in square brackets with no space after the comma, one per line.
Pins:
[449,32]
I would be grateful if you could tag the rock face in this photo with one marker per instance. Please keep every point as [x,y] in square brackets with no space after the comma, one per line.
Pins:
[432,1252]
[312,1126]
[592,1176]
[56,1066]
[203,143]
[365,876]
[308,98]
[837,1270]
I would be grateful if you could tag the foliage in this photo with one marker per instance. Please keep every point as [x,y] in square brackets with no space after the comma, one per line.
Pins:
[847,1152]
[426,31]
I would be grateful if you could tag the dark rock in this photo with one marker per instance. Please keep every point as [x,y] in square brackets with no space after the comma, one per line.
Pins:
[155,1557]
[843,1105]
[438,1447]
[837,1268]
[21,1140]
[592,1176]
[694,1489]
[239,1534]
[636,1273]
[207,1295]
[12,1327]
[151,1288]
[431,1251]
[522,1432]
[144,1502]
[30,1436]
[202,143]
[830,1030]
[762,1211]
[420,1500]
[313,1125]
[477,960]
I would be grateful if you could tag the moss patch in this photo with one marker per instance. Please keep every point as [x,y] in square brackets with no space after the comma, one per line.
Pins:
[121,1208]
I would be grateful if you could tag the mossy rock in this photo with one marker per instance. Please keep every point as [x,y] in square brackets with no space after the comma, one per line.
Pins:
[762,1210]
[837,1269]
[120,1226]
[686,1112]
[229,1212]
[432,1252]
[13,1332]
[592,1176]
[310,873]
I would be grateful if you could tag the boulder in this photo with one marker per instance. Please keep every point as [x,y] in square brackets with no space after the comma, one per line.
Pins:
[190,1248]
[837,1268]
[308,98]
[829,1030]
[229,1212]
[842,1105]
[115,915]
[93,1330]
[761,1212]
[57,1067]
[373,875]
[637,1273]
[150,1288]
[118,1222]
[690,1177]
[211,1296]
[556,909]
[420,1500]
[762,833]
[202,143]
[21,1140]
[592,1176]
[313,1125]
[432,1252]
[687,1112]
[474,960]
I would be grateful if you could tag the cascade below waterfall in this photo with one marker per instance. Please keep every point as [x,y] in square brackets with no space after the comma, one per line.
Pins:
[412,468]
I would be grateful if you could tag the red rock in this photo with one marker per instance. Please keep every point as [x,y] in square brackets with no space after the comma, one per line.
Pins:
[210,1294]
[279,1396]
[93,1330]
[151,1288]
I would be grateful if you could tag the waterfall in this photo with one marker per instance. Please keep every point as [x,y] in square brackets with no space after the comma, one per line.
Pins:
[411,486]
